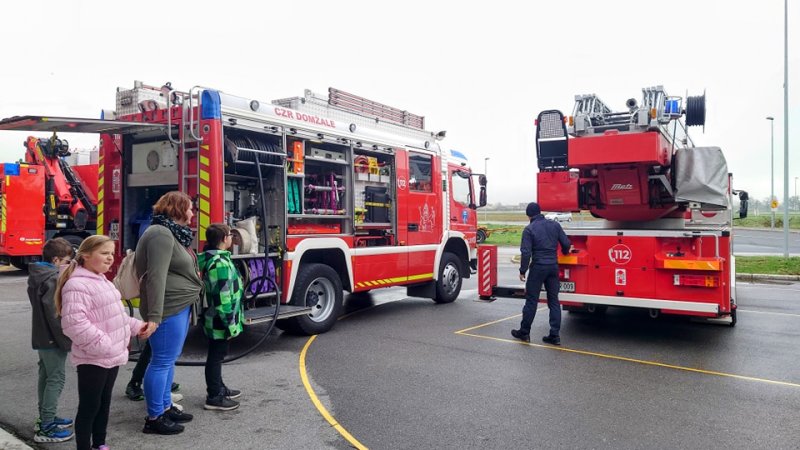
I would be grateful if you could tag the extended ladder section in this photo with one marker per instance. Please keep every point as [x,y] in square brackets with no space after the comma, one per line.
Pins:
[657,112]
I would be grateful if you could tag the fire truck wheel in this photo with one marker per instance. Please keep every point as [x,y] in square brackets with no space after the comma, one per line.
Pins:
[318,286]
[19,263]
[449,284]
[74,240]
[480,236]
[597,310]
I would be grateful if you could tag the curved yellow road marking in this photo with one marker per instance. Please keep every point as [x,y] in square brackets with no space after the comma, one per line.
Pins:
[320,407]
[313,395]
[617,357]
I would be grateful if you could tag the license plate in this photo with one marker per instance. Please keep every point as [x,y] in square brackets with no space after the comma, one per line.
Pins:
[566,286]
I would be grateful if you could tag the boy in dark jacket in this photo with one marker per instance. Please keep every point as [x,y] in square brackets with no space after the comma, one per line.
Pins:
[48,339]
[222,320]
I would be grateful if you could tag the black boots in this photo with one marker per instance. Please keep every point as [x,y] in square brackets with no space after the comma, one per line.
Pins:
[521,336]
[161,425]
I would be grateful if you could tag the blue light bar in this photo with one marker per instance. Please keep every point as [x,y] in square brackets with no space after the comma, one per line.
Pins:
[11,169]
[211,105]
[458,154]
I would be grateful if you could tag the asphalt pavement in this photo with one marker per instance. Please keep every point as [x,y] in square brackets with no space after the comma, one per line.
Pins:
[412,374]
[401,372]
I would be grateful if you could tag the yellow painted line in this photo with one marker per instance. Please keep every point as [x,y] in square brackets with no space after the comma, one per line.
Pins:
[205,191]
[204,160]
[205,206]
[320,407]
[100,208]
[620,358]
[204,146]
[489,323]
[204,221]
[101,169]
[204,176]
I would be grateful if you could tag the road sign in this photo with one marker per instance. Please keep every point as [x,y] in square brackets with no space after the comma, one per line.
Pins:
[774,204]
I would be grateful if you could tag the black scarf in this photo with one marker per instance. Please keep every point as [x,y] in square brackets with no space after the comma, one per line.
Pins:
[182,233]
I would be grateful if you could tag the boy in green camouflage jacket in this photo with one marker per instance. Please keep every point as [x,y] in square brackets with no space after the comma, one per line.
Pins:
[222,320]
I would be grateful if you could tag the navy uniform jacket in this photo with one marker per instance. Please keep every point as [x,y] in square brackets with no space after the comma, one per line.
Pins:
[540,241]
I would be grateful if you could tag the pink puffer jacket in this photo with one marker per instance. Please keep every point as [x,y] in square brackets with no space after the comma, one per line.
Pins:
[92,316]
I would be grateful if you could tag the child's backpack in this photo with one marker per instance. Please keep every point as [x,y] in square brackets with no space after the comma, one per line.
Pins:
[126,281]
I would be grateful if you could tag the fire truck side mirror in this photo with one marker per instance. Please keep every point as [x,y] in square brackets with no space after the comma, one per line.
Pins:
[482,182]
[743,204]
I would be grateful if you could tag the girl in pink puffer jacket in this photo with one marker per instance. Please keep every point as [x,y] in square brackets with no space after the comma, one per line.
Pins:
[92,316]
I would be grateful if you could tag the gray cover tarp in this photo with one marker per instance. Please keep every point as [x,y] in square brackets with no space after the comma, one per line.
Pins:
[701,175]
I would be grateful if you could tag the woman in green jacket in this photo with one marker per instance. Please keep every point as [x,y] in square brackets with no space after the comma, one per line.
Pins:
[170,284]
[224,315]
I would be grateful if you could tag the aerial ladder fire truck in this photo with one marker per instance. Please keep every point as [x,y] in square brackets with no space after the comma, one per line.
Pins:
[664,238]
[42,197]
[324,193]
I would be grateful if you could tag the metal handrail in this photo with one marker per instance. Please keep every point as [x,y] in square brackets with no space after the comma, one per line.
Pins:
[699,235]
[197,136]
[169,119]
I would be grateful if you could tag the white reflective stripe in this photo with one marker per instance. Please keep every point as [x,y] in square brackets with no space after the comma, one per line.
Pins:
[317,243]
[651,303]
[370,251]
[638,233]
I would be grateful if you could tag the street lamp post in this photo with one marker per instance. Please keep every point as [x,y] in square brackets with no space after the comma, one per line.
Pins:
[771,171]
[485,173]
[785,128]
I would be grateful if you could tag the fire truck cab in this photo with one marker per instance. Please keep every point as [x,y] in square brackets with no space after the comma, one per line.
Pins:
[324,193]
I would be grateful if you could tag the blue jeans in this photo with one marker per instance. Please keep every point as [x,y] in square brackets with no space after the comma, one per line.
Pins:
[538,275]
[166,344]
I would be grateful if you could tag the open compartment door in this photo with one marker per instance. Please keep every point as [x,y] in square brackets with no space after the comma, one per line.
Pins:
[76,125]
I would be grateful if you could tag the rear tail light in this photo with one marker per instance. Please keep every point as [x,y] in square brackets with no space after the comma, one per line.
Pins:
[696,280]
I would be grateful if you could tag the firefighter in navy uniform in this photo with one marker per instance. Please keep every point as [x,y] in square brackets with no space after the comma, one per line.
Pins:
[540,241]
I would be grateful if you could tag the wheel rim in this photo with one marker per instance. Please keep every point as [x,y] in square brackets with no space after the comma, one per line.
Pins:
[320,296]
[450,278]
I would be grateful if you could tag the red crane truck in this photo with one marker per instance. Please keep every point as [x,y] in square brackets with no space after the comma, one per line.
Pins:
[664,238]
[44,197]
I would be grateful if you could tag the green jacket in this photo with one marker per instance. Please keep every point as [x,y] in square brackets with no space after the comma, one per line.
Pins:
[170,282]
[224,291]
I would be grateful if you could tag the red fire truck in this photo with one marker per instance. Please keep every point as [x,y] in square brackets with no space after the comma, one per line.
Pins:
[42,198]
[325,193]
[664,241]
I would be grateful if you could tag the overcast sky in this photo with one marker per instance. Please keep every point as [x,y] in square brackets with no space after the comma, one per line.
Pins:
[480,70]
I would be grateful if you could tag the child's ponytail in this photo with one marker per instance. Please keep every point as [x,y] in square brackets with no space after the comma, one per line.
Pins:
[62,280]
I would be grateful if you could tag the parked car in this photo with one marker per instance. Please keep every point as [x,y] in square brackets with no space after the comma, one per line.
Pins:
[559,216]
